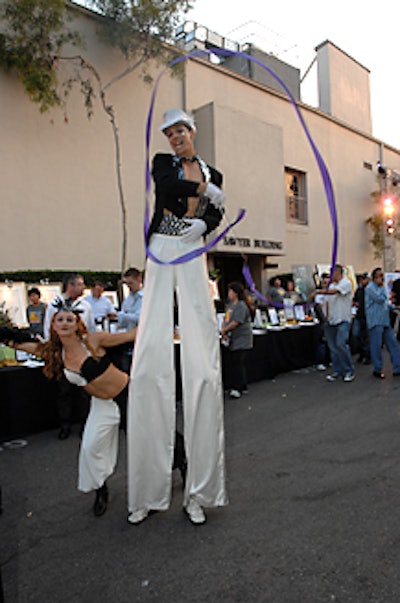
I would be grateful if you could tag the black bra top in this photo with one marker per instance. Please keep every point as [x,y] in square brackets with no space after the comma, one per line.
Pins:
[92,368]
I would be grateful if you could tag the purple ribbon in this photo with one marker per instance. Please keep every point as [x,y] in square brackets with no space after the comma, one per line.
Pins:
[320,162]
[249,280]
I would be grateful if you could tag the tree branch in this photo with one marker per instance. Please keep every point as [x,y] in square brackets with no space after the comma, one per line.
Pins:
[109,110]
[125,72]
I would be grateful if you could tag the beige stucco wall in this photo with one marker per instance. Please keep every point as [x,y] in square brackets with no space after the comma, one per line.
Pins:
[343,88]
[60,206]
[59,188]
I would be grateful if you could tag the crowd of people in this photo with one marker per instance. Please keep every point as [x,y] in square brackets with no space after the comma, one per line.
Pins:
[352,322]
[359,322]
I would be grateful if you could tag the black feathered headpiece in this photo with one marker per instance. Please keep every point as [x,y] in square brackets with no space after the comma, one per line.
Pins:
[67,305]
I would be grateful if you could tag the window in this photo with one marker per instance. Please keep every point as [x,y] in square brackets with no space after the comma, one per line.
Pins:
[296,200]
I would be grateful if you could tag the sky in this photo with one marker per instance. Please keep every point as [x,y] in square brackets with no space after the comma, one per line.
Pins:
[367,31]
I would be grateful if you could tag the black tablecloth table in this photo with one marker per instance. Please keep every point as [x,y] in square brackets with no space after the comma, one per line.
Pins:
[28,401]
[277,352]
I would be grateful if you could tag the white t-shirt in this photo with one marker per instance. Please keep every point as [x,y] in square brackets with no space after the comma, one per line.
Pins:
[339,304]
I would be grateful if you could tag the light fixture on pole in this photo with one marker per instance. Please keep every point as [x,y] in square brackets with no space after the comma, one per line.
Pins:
[389,211]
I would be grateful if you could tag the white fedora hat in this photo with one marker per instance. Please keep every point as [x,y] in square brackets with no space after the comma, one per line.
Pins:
[177,116]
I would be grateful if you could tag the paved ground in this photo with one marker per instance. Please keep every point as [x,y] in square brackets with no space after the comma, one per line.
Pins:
[314,514]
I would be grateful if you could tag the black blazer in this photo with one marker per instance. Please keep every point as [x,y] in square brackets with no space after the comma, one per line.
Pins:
[172,193]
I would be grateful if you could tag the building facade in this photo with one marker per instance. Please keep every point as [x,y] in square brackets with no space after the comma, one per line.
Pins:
[61,209]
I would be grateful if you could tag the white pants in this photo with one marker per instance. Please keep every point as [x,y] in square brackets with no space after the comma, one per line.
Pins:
[151,402]
[99,447]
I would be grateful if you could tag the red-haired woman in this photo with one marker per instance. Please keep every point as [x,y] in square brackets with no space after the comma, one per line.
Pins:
[81,357]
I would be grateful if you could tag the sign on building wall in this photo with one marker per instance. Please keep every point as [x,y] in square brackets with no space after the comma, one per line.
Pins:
[252,243]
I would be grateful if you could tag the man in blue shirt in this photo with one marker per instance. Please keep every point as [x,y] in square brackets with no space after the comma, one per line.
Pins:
[102,307]
[128,317]
[378,323]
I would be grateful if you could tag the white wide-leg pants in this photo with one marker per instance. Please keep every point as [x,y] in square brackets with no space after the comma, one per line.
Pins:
[99,446]
[151,401]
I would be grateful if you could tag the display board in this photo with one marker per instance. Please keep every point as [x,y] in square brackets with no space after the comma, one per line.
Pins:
[13,296]
[303,276]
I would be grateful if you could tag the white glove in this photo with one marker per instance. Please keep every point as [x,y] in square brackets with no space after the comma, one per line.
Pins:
[215,194]
[196,229]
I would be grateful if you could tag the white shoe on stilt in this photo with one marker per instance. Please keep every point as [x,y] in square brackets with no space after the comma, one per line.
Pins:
[137,516]
[195,512]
